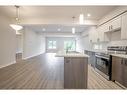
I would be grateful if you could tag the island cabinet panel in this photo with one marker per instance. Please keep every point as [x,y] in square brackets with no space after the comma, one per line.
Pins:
[75,72]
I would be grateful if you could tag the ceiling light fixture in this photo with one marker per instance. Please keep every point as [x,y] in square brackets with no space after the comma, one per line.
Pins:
[16,26]
[73,28]
[58,29]
[81,19]
[43,29]
[88,15]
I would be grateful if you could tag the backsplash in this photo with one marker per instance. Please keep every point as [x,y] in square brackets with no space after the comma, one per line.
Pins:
[111,43]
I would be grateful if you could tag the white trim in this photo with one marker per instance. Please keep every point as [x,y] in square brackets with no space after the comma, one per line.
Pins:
[24,58]
[18,52]
[8,64]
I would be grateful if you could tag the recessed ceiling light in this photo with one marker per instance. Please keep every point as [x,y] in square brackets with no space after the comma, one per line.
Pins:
[58,29]
[43,29]
[88,15]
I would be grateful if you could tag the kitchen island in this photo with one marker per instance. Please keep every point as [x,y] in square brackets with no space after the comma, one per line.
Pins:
[75,70]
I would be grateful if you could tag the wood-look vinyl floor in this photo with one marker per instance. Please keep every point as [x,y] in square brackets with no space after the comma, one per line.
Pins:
[45,72]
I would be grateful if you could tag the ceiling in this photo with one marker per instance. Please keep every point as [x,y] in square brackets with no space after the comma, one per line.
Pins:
[58,12]
[47,16]
[56,28]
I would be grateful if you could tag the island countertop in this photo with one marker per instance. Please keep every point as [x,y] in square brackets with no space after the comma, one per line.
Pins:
[70,54]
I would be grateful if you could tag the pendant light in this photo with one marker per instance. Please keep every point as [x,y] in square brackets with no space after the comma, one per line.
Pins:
[16,26]
[73,28]
[81,17]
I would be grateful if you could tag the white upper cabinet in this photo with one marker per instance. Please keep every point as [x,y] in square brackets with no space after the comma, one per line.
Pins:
[124,26]
[116,23]
[93,35]
[102,36]
[105,29]
[113,25]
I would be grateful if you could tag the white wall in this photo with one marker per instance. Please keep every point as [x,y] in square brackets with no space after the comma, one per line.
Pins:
[7,42]
[19,44]
[82,44]
[61,34]
[83,40]
[33,43]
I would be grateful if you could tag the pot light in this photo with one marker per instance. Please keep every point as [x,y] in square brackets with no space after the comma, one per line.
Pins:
[58,29]
[43,29]
[73,30]
[81,19]
[88,15]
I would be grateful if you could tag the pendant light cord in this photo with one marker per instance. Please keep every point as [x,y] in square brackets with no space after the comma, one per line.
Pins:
[73,19]
[17,14]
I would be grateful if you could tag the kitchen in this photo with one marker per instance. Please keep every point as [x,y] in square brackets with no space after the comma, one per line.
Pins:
[97,41]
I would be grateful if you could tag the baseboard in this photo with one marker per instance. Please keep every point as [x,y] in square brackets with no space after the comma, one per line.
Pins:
[31,56]
[19,52]
[8,64]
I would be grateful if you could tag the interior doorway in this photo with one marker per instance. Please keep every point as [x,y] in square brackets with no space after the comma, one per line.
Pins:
[19,47]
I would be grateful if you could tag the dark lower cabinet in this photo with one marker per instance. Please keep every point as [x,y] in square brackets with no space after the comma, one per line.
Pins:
[119,70]
[92,58]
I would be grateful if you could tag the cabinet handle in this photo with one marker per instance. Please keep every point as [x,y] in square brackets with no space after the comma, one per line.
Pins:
[109,28]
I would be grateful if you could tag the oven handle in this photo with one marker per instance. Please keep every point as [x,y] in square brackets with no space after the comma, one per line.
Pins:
[101,57]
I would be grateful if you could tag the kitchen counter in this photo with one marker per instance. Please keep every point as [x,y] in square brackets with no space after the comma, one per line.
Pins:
[120,55]
[98,51]
[70,54]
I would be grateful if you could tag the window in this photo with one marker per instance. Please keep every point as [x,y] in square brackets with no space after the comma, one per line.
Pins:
[70,45]
[51,44]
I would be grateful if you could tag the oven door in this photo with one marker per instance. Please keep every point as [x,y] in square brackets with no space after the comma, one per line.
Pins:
[102,64]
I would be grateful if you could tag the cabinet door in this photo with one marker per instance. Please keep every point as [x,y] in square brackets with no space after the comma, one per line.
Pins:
[124,27]
[115,23]
[106,27]
[100,34]
[93,36]
[117,69]
[125,73]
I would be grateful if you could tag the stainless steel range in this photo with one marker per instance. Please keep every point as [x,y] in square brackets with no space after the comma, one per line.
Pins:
[104,60]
